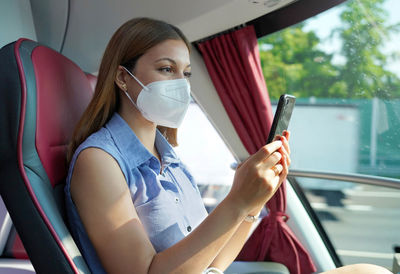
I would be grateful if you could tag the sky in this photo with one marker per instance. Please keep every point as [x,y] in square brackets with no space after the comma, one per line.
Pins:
[324,23]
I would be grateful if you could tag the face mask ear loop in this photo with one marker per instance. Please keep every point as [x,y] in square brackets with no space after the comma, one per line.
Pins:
[126,93]
[133,76]
[130,99]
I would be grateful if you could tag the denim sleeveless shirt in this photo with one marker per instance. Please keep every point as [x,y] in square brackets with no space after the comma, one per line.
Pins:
[169,204]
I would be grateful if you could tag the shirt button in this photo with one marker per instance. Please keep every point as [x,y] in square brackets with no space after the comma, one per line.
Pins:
[189,228]
[176,199]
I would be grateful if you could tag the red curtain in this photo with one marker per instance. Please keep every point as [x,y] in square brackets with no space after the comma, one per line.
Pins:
[233,63]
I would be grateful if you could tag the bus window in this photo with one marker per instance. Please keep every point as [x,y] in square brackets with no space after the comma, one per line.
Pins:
[205,154]
[343,66]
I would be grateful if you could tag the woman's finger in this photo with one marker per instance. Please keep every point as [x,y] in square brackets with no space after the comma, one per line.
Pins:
[285,169]
[275,175]
[285,143]
[276,169]
[266,151]
[283,151]
[272,160]
[287,134]
[277,138]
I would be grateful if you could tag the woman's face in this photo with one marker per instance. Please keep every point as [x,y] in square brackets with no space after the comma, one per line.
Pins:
[165,61]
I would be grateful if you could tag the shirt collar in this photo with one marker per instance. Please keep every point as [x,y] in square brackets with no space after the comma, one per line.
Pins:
[130,146]
[165,150]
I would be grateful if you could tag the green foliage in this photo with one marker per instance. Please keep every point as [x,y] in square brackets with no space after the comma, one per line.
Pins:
[293,63]
[363,33]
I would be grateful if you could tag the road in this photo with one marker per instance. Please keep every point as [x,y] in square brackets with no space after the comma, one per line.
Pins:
[364,226]
[363,222]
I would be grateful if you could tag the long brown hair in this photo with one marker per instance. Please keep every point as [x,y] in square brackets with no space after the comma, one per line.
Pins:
[128,43]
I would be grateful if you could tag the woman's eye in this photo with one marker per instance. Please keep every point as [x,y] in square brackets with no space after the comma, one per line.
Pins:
[187,74]
[165,69]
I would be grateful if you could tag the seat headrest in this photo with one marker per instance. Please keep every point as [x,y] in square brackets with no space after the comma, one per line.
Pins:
[92,80]
[63,92]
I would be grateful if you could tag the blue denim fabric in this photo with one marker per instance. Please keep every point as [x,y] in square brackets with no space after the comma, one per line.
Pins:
[169,204]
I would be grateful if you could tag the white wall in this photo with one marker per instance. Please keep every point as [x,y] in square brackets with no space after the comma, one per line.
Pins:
[325,138]
[15,21]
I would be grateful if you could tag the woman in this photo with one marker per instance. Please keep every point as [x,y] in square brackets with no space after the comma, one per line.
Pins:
[131,204]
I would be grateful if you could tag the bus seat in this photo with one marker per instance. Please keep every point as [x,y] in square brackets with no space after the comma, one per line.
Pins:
[238,267]
[5,228]
[92,80]
[42,96]
[14,247]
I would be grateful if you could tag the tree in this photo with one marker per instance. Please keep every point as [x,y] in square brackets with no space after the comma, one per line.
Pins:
[293,64]
[364,33]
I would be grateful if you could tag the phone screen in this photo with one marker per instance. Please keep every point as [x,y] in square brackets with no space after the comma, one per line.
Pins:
[282,116]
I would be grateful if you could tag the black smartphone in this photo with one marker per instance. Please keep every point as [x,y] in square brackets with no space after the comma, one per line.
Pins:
[282,116]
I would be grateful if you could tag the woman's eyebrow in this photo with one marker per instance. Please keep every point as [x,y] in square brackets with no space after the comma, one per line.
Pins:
[165,59]
[169,60]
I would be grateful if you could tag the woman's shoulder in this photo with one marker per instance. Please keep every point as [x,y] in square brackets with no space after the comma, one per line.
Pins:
[99,142]
[100,139]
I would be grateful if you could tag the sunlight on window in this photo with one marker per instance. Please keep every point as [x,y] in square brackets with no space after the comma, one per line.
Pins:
[344,65]
[206,155]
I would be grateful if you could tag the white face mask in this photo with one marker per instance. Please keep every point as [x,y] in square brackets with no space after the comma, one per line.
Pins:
[163,102]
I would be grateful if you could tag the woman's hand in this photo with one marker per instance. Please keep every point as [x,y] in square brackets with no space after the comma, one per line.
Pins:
[257,179]
[285,149]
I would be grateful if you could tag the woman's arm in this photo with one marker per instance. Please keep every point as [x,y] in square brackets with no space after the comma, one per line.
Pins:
[233,247]
[235,244]
[103,200]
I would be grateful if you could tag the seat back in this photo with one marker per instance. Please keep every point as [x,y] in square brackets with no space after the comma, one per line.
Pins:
[42,96]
